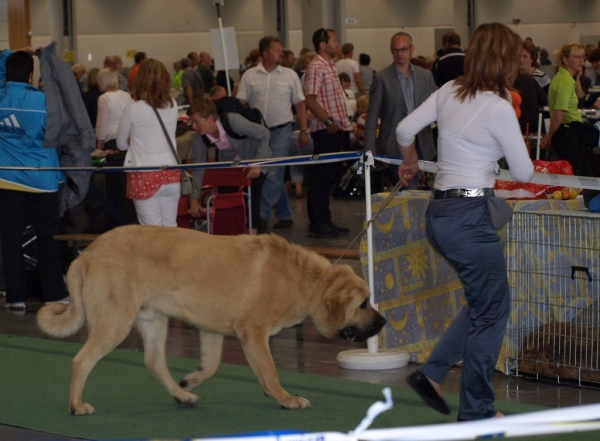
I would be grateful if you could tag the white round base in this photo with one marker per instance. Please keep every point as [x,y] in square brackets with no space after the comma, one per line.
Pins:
[361,359]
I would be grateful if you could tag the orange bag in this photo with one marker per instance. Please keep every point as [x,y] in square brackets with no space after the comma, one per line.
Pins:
[520,190]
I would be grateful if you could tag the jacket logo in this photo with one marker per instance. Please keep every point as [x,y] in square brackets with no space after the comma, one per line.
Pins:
[11,125]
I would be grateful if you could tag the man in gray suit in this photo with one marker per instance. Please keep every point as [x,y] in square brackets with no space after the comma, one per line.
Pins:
[396,91]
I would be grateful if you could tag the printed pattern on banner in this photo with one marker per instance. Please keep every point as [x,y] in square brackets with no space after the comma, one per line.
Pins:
[416,290]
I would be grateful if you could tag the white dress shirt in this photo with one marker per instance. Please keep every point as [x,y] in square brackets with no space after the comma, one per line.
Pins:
[273,93]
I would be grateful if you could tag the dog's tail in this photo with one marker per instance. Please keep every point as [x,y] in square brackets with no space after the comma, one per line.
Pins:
[60,320]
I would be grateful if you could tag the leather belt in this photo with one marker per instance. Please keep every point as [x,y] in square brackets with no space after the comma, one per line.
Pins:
[279,126]
[463,193]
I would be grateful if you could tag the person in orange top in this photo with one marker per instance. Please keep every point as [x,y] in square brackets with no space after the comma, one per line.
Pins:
[139,58]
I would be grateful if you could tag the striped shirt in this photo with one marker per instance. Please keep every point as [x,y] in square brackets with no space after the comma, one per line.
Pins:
[321,79]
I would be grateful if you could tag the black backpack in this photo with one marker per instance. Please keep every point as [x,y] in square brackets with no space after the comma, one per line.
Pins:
[230,104]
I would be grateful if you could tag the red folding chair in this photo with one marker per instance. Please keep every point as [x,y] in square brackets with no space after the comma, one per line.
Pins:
[228,214]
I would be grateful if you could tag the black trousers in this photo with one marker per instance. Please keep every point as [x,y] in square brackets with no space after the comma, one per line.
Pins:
[43,211]
[323,176]
[567,145]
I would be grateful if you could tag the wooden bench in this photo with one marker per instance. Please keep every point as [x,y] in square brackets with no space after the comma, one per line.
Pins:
[77,241]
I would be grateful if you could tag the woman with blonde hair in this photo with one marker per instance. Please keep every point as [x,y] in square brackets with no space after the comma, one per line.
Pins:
[477,126]
[111,105]
[566,124]
[155,194]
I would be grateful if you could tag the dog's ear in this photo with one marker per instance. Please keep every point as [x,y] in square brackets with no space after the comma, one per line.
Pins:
[337,311]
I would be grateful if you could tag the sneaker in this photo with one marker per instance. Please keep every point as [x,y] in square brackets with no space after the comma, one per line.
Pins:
[283,223]
[16,306]
[343,231]
[64,301]
[322,230]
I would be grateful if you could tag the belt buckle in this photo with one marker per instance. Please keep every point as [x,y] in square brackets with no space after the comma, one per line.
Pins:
[471,192]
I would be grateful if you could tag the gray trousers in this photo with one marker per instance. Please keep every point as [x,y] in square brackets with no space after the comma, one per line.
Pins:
[460,229]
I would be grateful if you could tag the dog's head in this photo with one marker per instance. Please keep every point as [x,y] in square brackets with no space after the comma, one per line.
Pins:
[345,310]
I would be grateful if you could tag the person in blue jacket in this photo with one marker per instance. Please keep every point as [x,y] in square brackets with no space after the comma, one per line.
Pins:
[27,195]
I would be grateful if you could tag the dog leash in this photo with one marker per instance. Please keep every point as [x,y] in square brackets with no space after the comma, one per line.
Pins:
[366,225]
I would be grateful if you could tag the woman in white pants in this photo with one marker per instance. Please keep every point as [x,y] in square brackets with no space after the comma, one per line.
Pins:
[155,194]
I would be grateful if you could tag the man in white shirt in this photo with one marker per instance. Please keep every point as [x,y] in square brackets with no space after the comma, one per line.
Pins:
[273,89]
[351,67]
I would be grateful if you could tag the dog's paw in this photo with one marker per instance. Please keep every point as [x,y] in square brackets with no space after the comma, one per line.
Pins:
[295,403]
[187,399]
[82,409]
[189,382]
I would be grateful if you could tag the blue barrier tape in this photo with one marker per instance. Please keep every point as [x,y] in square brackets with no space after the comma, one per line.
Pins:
[551,179]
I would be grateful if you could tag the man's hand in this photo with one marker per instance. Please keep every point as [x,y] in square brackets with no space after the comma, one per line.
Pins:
[303,140]
[252,172]
[195,209]
[30,50]
[332,128]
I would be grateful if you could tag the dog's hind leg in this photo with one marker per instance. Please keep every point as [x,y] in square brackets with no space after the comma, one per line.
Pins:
[102,339]
[211,350]
[154,331]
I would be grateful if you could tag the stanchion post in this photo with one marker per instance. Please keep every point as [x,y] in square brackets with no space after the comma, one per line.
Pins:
[373,342]
[372,358]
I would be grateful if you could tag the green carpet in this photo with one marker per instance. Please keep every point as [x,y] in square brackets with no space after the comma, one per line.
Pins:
[35,375]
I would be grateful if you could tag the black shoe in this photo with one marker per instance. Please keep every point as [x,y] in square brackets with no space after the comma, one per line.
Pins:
[263,227]
[343,231]
[283,223]
[421,385]
[322,230]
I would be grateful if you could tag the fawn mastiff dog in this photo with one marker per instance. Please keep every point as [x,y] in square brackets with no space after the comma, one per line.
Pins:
[249,287]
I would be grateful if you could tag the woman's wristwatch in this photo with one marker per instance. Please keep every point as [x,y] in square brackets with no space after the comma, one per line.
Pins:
[328,122]
[305,132]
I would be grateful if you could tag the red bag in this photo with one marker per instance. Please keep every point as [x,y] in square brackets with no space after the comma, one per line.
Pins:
[520,190]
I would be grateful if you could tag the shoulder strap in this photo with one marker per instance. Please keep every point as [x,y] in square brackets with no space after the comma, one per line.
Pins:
[167,135]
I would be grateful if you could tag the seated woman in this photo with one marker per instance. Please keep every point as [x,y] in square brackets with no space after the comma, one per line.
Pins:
[566,124]
[528,65]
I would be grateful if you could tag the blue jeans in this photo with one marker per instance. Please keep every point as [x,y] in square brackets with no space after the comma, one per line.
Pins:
[460,229]
[274,193]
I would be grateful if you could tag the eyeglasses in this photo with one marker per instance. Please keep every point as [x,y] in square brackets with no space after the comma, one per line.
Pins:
[578,57]
[401,50]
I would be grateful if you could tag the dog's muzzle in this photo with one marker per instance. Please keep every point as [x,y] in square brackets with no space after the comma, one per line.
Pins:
[352,333]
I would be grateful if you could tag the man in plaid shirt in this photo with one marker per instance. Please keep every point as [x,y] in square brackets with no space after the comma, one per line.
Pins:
[330,130]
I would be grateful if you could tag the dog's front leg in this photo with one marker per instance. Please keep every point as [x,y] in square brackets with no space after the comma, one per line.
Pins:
[257,351]
[211,350]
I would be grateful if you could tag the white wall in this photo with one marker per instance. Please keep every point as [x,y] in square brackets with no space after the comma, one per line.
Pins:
[168,30]
[3,24]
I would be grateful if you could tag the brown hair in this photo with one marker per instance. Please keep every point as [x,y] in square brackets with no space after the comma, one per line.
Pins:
[153,84]
[530,48]
[491,61]
[451,38]
[203,107]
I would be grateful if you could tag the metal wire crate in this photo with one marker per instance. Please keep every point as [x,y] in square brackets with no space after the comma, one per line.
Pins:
[553,263]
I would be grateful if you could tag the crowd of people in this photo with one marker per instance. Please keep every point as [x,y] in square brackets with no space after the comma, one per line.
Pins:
[482,101]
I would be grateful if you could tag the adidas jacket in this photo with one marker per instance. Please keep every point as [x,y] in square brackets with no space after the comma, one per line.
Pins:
[22,130]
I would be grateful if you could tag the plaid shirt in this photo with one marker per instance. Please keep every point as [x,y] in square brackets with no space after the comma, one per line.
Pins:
[321,79]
